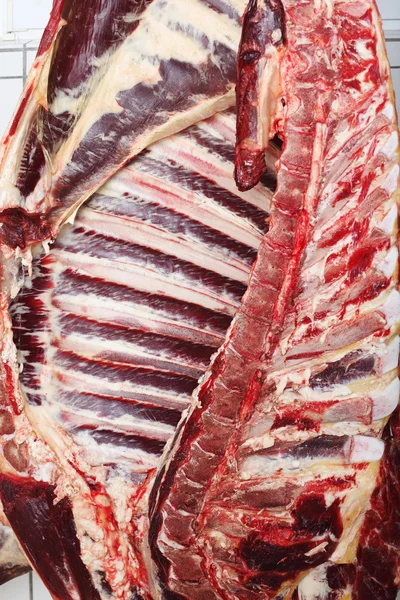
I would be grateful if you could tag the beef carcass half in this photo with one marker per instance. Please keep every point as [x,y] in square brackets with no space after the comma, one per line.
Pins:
[266,489]
[122,48]
[271,473]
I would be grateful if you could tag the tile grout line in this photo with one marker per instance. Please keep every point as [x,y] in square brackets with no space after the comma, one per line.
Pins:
[31,586]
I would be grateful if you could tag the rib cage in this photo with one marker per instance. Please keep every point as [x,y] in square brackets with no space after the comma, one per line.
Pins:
[127,323]
[133,299]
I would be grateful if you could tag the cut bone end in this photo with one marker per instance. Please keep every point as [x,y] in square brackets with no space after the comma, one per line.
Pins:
[363,449]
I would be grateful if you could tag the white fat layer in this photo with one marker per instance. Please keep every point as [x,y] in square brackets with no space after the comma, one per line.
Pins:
[174,245]
[95,347]
[363,50]
[391,182]
[354,507]
[386,401]
[388,265]
[162,33]
[313,585]
[93,384]
[194,205]
[123,424]
[122,313]
[365,449]
[357,449]
[136,61]
[147,280]
[134,460]
[390,357]
[388,223]
[197,158]
[269,76]
[391,146]
[391,309]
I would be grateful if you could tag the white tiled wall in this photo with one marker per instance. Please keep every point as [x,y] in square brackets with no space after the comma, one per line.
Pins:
[28,587]
[21,25]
